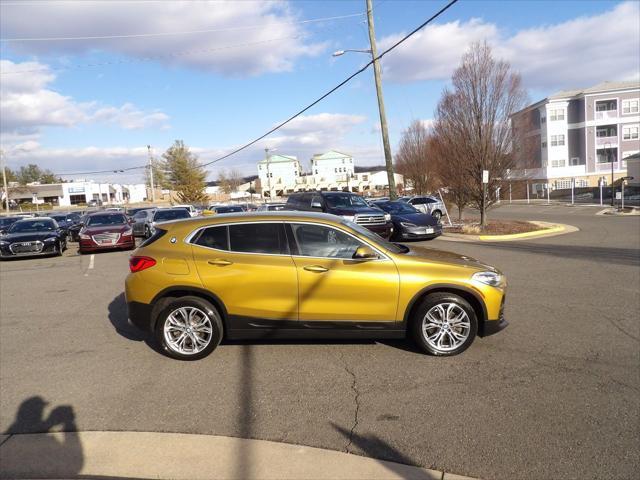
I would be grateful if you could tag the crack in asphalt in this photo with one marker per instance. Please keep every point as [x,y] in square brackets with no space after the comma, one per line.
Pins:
[356,399]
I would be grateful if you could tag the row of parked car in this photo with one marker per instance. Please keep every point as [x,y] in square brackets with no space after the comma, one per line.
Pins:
[116,228]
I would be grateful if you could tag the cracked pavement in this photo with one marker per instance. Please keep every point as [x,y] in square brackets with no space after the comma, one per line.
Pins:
[555,395]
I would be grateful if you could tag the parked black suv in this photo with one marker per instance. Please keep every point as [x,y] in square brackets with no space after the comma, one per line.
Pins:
[344,204]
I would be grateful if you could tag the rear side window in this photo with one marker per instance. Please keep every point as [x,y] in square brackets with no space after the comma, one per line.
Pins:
[158,234]
[257,238]
[213,237]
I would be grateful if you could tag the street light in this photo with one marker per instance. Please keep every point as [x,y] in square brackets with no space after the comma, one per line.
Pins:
[383,117]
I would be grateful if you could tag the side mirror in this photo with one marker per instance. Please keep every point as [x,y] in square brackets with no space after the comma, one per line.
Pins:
[316,205]
[364,252]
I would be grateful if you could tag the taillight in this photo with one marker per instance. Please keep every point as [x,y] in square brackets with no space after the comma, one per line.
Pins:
[137,264]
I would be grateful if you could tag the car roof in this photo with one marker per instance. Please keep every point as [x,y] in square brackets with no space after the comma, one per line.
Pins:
[104,212]
[258,216]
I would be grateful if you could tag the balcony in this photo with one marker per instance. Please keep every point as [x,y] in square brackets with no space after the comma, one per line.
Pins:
[602,142]
[606,114]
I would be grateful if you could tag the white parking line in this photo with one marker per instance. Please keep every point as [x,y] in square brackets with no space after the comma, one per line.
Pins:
[91,260]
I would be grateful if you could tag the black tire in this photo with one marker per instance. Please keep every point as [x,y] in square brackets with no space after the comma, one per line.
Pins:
[431,301]
[437,214]
[203,306]
[58,247]
[147,232]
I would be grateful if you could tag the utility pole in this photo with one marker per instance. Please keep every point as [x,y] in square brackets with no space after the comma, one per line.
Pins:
[4,179]
[383,116]
[153,189]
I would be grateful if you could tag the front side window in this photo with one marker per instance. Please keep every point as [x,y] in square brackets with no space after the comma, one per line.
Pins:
[323,241]
[265,238]
[345,201]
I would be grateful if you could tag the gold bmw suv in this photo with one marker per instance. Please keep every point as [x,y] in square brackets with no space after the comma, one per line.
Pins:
[298,274]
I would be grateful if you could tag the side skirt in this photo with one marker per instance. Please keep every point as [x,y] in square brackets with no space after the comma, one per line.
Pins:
[253,328]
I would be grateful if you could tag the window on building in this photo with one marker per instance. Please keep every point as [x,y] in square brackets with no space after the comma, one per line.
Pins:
[606,131]
[558,163]
[582,183]
[557,140]
[630,132]
[630,106]
[575,161]
[557,114]
[544,144]
[562,184]
[543,119]
[607,155]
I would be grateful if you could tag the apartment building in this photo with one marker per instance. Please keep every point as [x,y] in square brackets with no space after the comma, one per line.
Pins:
[331,171]
[577,135]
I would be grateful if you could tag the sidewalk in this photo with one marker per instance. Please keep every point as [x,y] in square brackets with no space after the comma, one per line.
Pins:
[184,456]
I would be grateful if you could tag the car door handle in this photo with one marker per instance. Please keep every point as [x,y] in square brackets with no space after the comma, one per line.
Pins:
[221,262]
[316,268]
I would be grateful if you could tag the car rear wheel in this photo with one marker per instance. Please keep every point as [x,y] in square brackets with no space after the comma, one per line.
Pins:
[444,324]
[189,328]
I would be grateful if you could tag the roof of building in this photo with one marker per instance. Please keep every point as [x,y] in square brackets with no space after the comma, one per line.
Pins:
[635,156]
[280,159]
[606,86]
[330,155]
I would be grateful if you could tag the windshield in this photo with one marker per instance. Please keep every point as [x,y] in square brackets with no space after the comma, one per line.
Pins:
[397,208]
[105,220]
[7,221]
[59,218]
[345,201]
[24,226]
[376,239]
[166,215]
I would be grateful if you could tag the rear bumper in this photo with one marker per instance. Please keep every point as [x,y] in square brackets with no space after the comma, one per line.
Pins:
[140,315]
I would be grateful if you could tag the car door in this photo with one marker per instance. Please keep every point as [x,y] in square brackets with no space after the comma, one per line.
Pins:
[332,286]
[420,204]
[248,266]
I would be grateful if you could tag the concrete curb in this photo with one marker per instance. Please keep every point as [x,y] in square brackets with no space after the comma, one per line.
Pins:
[187,456]
[549,230]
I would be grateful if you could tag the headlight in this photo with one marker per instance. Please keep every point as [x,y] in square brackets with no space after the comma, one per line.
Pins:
[127,233]
[387,217]
[351,218]
[489,278]
[3,243]
[407,224]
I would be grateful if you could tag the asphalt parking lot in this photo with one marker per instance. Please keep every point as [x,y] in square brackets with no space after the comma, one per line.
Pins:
[555,395]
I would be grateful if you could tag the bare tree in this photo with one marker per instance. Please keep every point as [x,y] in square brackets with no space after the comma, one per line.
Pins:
[452,173]
[414,159]
[229,182]
[473,123]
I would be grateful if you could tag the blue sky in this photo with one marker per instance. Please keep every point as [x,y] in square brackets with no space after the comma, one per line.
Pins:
[218,90]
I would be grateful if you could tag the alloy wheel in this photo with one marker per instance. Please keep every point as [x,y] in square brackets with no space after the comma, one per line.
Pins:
[446,327]
[187,330]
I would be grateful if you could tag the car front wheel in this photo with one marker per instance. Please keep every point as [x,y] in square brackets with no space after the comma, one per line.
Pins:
[444,324]
[189,328]
[437,214]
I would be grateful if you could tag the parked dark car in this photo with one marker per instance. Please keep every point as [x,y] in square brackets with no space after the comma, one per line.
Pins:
[6,222]
[66,220]
[344,204]
[106,230]
[73,231]
[33,236]
[272,207]
[409,223]
[132,211]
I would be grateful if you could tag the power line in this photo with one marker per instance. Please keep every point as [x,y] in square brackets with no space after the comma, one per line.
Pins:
[315,102]
[163,34]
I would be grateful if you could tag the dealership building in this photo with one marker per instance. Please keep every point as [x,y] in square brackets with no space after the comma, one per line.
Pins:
[76,193]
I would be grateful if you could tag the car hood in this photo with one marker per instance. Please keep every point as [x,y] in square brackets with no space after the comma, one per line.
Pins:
[27,236]
[106,229]
[421,219]
[431,255]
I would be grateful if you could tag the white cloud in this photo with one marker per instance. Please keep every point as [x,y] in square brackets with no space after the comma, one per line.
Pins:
[303,137]
[576,53]
[28,103]
[207,51]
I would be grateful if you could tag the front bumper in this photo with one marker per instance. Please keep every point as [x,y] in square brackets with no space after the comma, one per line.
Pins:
[491,327]
[384,231]
[49,248]
[90,245]
[418,233]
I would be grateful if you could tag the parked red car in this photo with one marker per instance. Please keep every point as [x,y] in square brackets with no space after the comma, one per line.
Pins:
[106,230]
